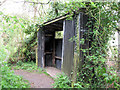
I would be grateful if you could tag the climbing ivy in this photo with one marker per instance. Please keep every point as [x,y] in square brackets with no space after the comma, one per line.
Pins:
[94,73]
[103,19]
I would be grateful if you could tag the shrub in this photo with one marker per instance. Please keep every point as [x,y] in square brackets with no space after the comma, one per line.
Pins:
[62,81]
[110,81]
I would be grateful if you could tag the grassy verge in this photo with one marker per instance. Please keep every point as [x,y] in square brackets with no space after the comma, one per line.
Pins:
[10,80]
[28,66]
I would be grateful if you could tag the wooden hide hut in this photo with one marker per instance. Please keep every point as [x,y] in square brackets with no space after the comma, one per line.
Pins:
[61,53]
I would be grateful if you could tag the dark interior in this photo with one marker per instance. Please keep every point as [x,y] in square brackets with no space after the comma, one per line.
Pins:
[58,53]
[48,50]
[53,51]
[53,47]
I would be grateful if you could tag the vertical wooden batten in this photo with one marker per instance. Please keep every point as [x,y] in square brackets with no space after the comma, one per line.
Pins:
[41,43]
[80,30]
[53,50]
[36,56]
[68,46]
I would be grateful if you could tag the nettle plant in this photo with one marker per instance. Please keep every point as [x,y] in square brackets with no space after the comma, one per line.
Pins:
[102,23]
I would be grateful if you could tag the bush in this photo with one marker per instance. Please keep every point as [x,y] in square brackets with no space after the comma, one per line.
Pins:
[62,81]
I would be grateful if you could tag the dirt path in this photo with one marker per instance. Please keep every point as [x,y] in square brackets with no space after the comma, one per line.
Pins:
[36,80]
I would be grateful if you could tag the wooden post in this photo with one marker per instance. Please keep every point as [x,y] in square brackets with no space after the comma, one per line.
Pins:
[68,47]
[41,43]
[80,29]
[76,49]
[53,49]
[37,56]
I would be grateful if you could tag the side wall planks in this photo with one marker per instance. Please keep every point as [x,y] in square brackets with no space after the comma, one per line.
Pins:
[68,46]
[41,42]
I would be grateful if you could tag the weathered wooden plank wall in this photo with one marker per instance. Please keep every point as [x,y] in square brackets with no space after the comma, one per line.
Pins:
[58,47]
[68,46]
[41,41]
[58,52]
[49,41]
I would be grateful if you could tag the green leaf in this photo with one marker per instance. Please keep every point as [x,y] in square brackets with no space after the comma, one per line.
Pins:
[105,74]
[92,3]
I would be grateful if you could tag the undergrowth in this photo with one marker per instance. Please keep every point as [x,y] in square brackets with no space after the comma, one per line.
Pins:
[10,80]
[29,66]
[90,70]
[63,81]
[7,77]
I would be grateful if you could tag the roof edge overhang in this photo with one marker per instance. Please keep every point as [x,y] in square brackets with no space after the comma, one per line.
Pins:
[57,19]
[60,18]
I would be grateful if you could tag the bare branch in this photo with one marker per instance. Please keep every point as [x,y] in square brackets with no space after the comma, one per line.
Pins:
[2,2]
[34,2]
[38,2]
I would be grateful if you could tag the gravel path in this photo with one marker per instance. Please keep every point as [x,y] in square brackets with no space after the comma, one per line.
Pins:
[36,80]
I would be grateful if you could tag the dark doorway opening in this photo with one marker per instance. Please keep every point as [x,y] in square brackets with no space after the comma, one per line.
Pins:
[53,50]
[58,53]
[49,42]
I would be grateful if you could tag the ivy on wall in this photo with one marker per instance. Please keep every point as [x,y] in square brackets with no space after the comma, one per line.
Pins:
[104,17]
